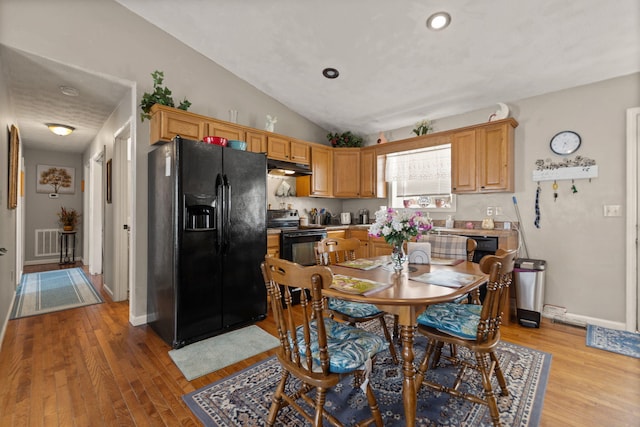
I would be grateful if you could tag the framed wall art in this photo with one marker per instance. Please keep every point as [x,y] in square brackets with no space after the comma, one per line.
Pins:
[14,150]
[55,179]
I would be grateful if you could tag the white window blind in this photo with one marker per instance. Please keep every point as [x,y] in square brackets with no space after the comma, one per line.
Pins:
[422,171]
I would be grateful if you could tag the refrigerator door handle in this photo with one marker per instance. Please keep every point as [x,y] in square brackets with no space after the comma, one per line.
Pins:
[219,212]
[227,213]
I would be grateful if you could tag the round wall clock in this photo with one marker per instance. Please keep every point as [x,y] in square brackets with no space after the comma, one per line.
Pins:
[565,142]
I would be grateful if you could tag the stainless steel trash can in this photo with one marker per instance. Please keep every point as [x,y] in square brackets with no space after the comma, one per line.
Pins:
[529,286]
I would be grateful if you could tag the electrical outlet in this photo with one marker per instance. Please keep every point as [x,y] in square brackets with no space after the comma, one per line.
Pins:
[489,210]
[612,210]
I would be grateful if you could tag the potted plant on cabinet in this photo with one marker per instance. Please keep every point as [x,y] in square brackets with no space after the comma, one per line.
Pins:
[345,139]
[68,218]
[161,95]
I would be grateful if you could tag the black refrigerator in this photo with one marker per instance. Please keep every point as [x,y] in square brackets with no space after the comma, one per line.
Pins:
[206,239]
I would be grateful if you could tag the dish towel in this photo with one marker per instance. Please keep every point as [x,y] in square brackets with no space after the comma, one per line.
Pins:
[419,252]
[447,246]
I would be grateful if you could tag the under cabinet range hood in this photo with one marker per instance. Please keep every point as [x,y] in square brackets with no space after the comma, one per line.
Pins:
[280,168]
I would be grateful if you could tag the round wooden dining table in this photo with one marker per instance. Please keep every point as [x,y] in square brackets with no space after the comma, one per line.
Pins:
[407,298]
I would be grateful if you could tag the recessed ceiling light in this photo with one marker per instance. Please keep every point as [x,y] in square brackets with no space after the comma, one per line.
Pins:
[330,73]
[58,129]
[69,91]
[438,21]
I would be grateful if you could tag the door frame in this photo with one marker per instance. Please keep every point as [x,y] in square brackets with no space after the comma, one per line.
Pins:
[631,253]
[94,226]
[122,212]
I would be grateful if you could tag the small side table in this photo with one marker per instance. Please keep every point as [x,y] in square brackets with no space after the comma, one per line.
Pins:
[64,247]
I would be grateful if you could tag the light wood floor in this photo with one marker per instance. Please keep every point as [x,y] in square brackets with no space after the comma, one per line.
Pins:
[90,367]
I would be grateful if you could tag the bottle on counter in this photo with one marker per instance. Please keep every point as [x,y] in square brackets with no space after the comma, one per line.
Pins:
[449,222]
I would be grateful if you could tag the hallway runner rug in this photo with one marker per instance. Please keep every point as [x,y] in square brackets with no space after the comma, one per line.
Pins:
[245,397]
[51,291]
[203,357]
[615,341]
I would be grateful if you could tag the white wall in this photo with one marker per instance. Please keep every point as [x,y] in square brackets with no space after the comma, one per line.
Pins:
[7,216]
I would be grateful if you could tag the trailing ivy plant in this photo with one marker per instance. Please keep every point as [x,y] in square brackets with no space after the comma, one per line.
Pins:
[161,95]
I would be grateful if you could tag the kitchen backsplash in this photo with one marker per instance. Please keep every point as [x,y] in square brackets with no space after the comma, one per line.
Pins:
[470,208]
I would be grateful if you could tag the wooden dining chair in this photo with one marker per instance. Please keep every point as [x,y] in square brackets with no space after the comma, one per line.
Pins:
[336,250]
[314,348]
[476,327]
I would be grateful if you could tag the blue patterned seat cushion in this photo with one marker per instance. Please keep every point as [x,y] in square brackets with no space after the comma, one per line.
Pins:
[353,309]
[459,320]
[349,347]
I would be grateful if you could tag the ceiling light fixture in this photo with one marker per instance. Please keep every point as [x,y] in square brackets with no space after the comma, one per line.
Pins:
[330,73]
[69,91]
[438,21]
[58,129]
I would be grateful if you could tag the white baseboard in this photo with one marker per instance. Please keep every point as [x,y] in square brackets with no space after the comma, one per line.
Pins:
[6,320]
[580,320]
[138,320]
[107,289]
[49,261]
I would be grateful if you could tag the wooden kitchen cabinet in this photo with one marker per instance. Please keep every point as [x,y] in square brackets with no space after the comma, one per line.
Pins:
[320,182]
[288,150]
[482,159]
[346,172]
[256,142]
[337,234]
[371,174]
[225,130]
[363,236]
[273,245]
[167,122]
[378,247]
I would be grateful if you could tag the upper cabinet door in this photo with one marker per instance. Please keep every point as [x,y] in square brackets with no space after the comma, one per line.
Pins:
[256,142]
[225,131]
[495,159]
[322,168]
[463,162]
[368,172]
[300,152]
[278,148]
[167,122]
[346,172]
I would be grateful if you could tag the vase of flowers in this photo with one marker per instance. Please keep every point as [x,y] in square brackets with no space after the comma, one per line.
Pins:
[68,218]
[397,227]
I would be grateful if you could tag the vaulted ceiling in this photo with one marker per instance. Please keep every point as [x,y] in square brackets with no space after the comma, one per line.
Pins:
[394,71]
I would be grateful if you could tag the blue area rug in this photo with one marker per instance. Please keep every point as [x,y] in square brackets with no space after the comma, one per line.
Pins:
[622,342]
[245,397]
[55,290]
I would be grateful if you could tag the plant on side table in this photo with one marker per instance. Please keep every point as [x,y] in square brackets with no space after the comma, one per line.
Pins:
[68,218]
[161,95]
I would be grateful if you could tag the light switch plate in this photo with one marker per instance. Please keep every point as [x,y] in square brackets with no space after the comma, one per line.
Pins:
[612,210]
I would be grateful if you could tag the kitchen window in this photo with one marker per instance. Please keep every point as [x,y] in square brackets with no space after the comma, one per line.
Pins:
[421,179]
